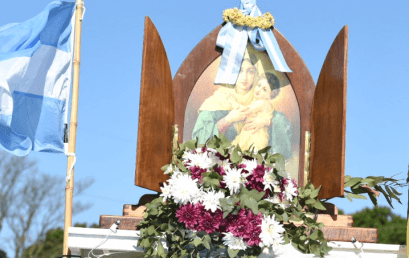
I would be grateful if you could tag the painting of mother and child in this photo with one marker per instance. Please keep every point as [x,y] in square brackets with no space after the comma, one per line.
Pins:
[259,110]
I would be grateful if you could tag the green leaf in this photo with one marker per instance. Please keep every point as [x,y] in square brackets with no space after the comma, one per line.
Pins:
[232,252]
[197,241]
[369,182]
[235,157]
[164,168]
[285,217]
[161,250]
[145,243]
[315,192]
[391,194]
[394,190]
[307,193]
[279,161]
[264,150]
[357,196]
[206,241]
[225,142]
[310,201]
[215,182]
[252,204]
[352,182]
[192,144]
[181,166]
[379,188]
[319,205]
[377,179]
[314,235]
[256,195]
[373,199]
[347,196]
[151,230]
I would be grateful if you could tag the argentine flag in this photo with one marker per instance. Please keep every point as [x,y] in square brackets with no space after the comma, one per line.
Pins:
[35,80]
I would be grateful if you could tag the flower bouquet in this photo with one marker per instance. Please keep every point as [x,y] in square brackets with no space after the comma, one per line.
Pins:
[221,201]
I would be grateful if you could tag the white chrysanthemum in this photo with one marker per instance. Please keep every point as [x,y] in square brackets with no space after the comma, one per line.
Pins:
[275,199]
[176,173]
[271,231]
[233,179]
[270,182]
[290,191]
[166,191]
[250,164]
[234,242]
[225,164]
[184,189]
[198,196]
[203,160]
[211,200]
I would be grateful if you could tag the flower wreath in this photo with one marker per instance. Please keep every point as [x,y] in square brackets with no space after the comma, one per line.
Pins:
[226,200]
[238,18]
[222,201]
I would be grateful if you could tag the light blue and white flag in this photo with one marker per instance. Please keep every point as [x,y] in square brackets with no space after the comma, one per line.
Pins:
[233,39]
[35,80]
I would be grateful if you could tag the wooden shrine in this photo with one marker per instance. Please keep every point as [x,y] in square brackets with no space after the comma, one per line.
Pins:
[322,121]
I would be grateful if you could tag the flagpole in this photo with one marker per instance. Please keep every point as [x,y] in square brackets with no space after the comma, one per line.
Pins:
[69,187]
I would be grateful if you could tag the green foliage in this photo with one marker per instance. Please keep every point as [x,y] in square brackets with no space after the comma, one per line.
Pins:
[360,186]
[3,254]
[391,227]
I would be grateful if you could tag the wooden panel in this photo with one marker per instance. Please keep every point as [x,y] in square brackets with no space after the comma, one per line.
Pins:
[156,112]
[336,221]
[206,52]
[329,121]
[126,223]
[363,235]
[134,210]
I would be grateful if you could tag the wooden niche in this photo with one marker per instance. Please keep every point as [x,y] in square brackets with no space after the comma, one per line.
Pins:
[321,109]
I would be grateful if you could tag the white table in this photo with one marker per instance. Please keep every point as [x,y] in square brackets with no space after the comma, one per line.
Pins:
[82,240]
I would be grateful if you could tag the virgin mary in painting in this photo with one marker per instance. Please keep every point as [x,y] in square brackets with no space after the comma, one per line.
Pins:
[245,114]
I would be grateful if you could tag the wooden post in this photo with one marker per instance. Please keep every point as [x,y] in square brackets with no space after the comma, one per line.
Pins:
[69,187]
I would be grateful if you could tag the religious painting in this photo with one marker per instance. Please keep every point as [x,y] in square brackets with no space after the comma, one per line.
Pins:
[260,110]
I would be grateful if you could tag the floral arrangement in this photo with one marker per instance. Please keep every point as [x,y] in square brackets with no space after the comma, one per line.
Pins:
[238,18]
[221,200]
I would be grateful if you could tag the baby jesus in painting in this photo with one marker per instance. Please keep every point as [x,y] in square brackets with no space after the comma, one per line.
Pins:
[260,106]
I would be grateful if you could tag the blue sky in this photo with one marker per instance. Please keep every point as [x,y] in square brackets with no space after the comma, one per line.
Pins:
[377,95]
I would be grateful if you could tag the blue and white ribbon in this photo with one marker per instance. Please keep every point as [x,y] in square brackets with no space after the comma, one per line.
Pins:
[233,39]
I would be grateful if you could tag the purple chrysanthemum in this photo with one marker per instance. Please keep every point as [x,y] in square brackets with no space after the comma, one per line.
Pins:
[255,180]
[210,222]
[188,215]
[252,236]
[197,172]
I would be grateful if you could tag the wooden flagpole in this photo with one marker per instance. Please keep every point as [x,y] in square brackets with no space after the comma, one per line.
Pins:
[69,187]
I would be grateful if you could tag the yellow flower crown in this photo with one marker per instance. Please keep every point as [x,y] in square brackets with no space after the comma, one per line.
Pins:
[238,18]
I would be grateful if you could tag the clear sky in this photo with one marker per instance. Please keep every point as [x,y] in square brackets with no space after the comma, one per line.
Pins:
[377,95]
